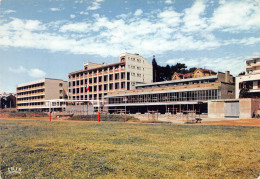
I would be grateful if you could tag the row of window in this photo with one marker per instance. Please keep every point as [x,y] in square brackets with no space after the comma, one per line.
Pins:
[105,87]
[178,83]
[134,67]
[167,97]
[100,79]
[95,71]
[31,104]
[248,84]
[89,97]
[31,98]
[33,92]
[39,85]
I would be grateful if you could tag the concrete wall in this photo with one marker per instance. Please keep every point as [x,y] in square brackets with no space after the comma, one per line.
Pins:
[136,64]
[216,109]
[247,107]
[227,91]
[52,88]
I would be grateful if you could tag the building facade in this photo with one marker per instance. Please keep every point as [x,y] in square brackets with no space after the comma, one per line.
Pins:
[32,96]
[96,80]
[251,80]
[173,96]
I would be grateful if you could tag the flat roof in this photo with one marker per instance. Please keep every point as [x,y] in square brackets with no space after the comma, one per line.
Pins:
[177,81]
[103,66]
[37,81]
[160,92]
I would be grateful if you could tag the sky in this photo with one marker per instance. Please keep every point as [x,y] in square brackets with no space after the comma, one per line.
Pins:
[51,38]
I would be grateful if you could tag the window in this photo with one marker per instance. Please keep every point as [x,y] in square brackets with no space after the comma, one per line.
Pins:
[95,79]
[77,83]
[123,85]
[116,76]
[122,75]
[128,75]
[111,86]
[60,85]
[111,77]
[117,86]
[100,87]
[139,75]
[90,89]
[105,78]
[100,79]
[133,74]
[81,82]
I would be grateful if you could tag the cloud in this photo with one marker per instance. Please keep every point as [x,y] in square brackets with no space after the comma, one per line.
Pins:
[76,27]
[72,16]
[95,5]
[138,12]
[55,9]
[232,63]
[31,25]
[34,72]
[20,69]
[236,16]
[168,2]
[192,17]
[160,31]
[9,11]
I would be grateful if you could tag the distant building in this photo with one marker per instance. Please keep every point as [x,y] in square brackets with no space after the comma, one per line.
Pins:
[251,79]
[32,96]
[132,69]
[191,93]
[7,100]
[199,72]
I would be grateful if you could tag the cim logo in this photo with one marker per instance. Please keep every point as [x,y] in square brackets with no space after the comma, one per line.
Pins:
[14,170]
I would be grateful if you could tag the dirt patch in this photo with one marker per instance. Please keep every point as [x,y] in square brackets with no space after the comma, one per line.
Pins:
[238,122]
[4,115]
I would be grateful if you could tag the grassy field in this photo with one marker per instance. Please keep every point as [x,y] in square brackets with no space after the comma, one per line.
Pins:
[79,149]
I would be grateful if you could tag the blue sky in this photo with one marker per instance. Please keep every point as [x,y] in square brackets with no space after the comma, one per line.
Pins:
[51,38]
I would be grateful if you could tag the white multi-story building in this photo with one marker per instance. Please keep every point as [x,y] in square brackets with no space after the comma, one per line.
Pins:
[103,78]
[251,79]
[32,96]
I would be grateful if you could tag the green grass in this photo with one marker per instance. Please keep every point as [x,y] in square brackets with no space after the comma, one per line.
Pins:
[79,149]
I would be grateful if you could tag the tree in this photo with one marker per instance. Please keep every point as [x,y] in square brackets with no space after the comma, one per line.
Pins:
[244,93]
[241,73]
[3,102]
[155,69]
[164,73]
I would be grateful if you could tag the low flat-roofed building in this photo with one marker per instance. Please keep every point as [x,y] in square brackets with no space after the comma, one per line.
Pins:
[251,80]
[172,96]
[32,96]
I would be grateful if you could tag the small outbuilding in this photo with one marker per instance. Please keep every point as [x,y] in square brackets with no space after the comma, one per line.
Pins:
[234,108]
